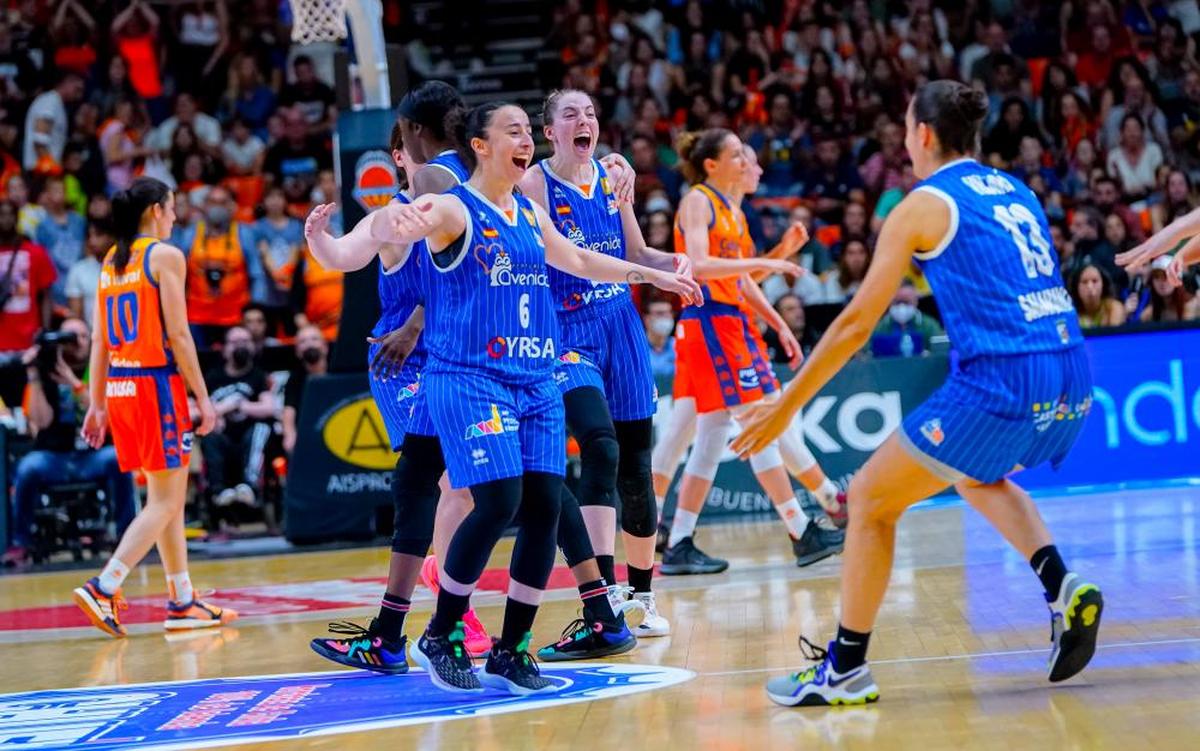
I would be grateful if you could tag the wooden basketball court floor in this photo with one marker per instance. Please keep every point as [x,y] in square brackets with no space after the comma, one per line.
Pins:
[959,652]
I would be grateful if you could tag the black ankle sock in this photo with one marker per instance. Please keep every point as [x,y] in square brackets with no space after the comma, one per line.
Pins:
[607,565]
[450,610]
[639,578]
[392,611]
[596,606]
[518,621]
[1049,567]
[849,649]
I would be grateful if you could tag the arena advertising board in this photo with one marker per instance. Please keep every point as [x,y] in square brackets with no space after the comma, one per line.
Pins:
[226,711]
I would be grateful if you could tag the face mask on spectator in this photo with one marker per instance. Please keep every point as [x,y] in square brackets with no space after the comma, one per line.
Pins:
[662,326]
[312,355]
[902,312]
[218,216]
[658,203]
[241,357]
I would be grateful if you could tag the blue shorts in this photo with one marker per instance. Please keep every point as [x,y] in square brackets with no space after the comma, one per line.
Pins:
[1001,413]
[491,430]
[608,350]
[395,397]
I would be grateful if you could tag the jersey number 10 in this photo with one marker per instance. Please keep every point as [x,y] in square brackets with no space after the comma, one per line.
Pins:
[1027,234]
[122,318]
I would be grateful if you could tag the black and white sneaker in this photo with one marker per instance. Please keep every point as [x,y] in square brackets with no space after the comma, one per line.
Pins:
[685,558]
[446,660]
[817,543]
[515,671]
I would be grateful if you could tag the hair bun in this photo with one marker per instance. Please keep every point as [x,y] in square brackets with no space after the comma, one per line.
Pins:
[972,103]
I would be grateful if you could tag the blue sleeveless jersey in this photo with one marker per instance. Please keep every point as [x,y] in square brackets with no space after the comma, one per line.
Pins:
[995,275]
[490,310]
[588,217]
[450,161]
[400,292]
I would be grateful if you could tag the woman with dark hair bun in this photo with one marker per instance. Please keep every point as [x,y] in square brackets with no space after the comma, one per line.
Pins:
[143,363]
[1018,399]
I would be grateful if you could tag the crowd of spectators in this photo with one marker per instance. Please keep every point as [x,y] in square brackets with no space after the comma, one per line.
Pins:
[1095,105]
[210,97]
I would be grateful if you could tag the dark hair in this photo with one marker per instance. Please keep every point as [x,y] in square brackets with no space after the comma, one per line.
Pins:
[472,123]
[1134,117]
[396,138]
[301,60]
[550,104]
[954,111]
[694,147]
[128,207]
[843,270]
[430,105]
[1106,285]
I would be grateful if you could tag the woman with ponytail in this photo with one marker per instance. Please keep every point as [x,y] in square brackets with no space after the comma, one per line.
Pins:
[143,363]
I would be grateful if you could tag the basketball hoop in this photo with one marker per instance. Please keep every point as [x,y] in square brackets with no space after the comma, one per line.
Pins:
[318,21]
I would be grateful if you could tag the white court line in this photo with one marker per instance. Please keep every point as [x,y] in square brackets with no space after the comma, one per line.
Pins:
[971,656]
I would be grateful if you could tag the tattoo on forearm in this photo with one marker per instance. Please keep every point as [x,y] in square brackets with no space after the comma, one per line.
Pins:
[635,277]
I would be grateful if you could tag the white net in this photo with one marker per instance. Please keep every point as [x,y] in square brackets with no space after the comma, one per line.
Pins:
[318,21]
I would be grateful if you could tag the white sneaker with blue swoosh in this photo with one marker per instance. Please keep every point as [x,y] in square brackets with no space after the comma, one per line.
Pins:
[822,686]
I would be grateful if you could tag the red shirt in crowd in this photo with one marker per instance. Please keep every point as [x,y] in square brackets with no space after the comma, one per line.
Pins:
[32,273]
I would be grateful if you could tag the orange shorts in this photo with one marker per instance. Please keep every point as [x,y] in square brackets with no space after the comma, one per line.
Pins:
[720,359]
[149,419]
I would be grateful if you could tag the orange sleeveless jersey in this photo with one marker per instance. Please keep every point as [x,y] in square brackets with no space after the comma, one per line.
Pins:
[131,312]
[728,237]
[222,255]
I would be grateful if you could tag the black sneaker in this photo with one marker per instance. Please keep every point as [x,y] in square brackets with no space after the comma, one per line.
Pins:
[447,662]
[515,671]
[584,640]
[686,558]
[362,648]
[817,543]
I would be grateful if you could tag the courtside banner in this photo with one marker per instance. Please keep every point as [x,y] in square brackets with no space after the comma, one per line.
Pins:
[341,470]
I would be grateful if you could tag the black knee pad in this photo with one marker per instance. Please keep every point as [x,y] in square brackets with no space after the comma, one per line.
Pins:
[599,455]
[533,553]
[635,480]
[415,494]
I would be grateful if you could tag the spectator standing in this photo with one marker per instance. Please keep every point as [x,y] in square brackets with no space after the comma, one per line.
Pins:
[296,160]
[135,32]
[312,351]
[84,277]
[248,97]
[279,240]
[242,151]
[56,400]
[311,97]
[904,331]
[26,276]
[1095,299]
[62,233]
[202,31]
[222,267]
[187,112]
[120,140]
[47,126]
[233,451]
[659,320]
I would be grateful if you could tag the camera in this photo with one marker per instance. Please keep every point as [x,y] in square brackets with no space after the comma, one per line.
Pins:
[49,343]
[214,276]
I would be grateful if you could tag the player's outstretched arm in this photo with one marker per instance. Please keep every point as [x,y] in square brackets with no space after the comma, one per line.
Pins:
[1163,241]
[638,252]
[439,219]
[351,251]
[918,223]
[695,214]
[565,255]
[169,267]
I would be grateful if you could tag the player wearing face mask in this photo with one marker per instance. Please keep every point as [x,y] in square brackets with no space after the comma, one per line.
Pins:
[905,331]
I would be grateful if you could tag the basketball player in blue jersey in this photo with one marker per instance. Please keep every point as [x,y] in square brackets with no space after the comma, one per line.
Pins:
[607,385]
[1019,398]
[491,337]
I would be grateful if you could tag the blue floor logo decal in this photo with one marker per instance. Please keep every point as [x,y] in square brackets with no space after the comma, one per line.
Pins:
[221,711]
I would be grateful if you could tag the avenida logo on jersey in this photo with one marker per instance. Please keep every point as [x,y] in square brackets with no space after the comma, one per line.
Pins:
[226,711]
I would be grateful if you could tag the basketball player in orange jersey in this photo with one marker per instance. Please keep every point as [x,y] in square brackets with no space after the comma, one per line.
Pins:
[681,428]
[142,357]
[719,356]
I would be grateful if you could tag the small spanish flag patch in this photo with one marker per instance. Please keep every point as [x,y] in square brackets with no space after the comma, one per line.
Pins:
[562,209]
[529,217]
[490,233]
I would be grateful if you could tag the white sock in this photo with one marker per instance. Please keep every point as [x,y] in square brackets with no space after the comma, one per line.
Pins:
[684,525]
[113,575]
[827,494]
[179,588]
[793,517]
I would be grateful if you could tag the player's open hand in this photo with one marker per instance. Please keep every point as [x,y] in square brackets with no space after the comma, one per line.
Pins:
[95,426]
[1136,257]
[318,220]
[686,287]
[790,270]
[394,349]
[683,265]
[405,222]
[208,416]
[763,424]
